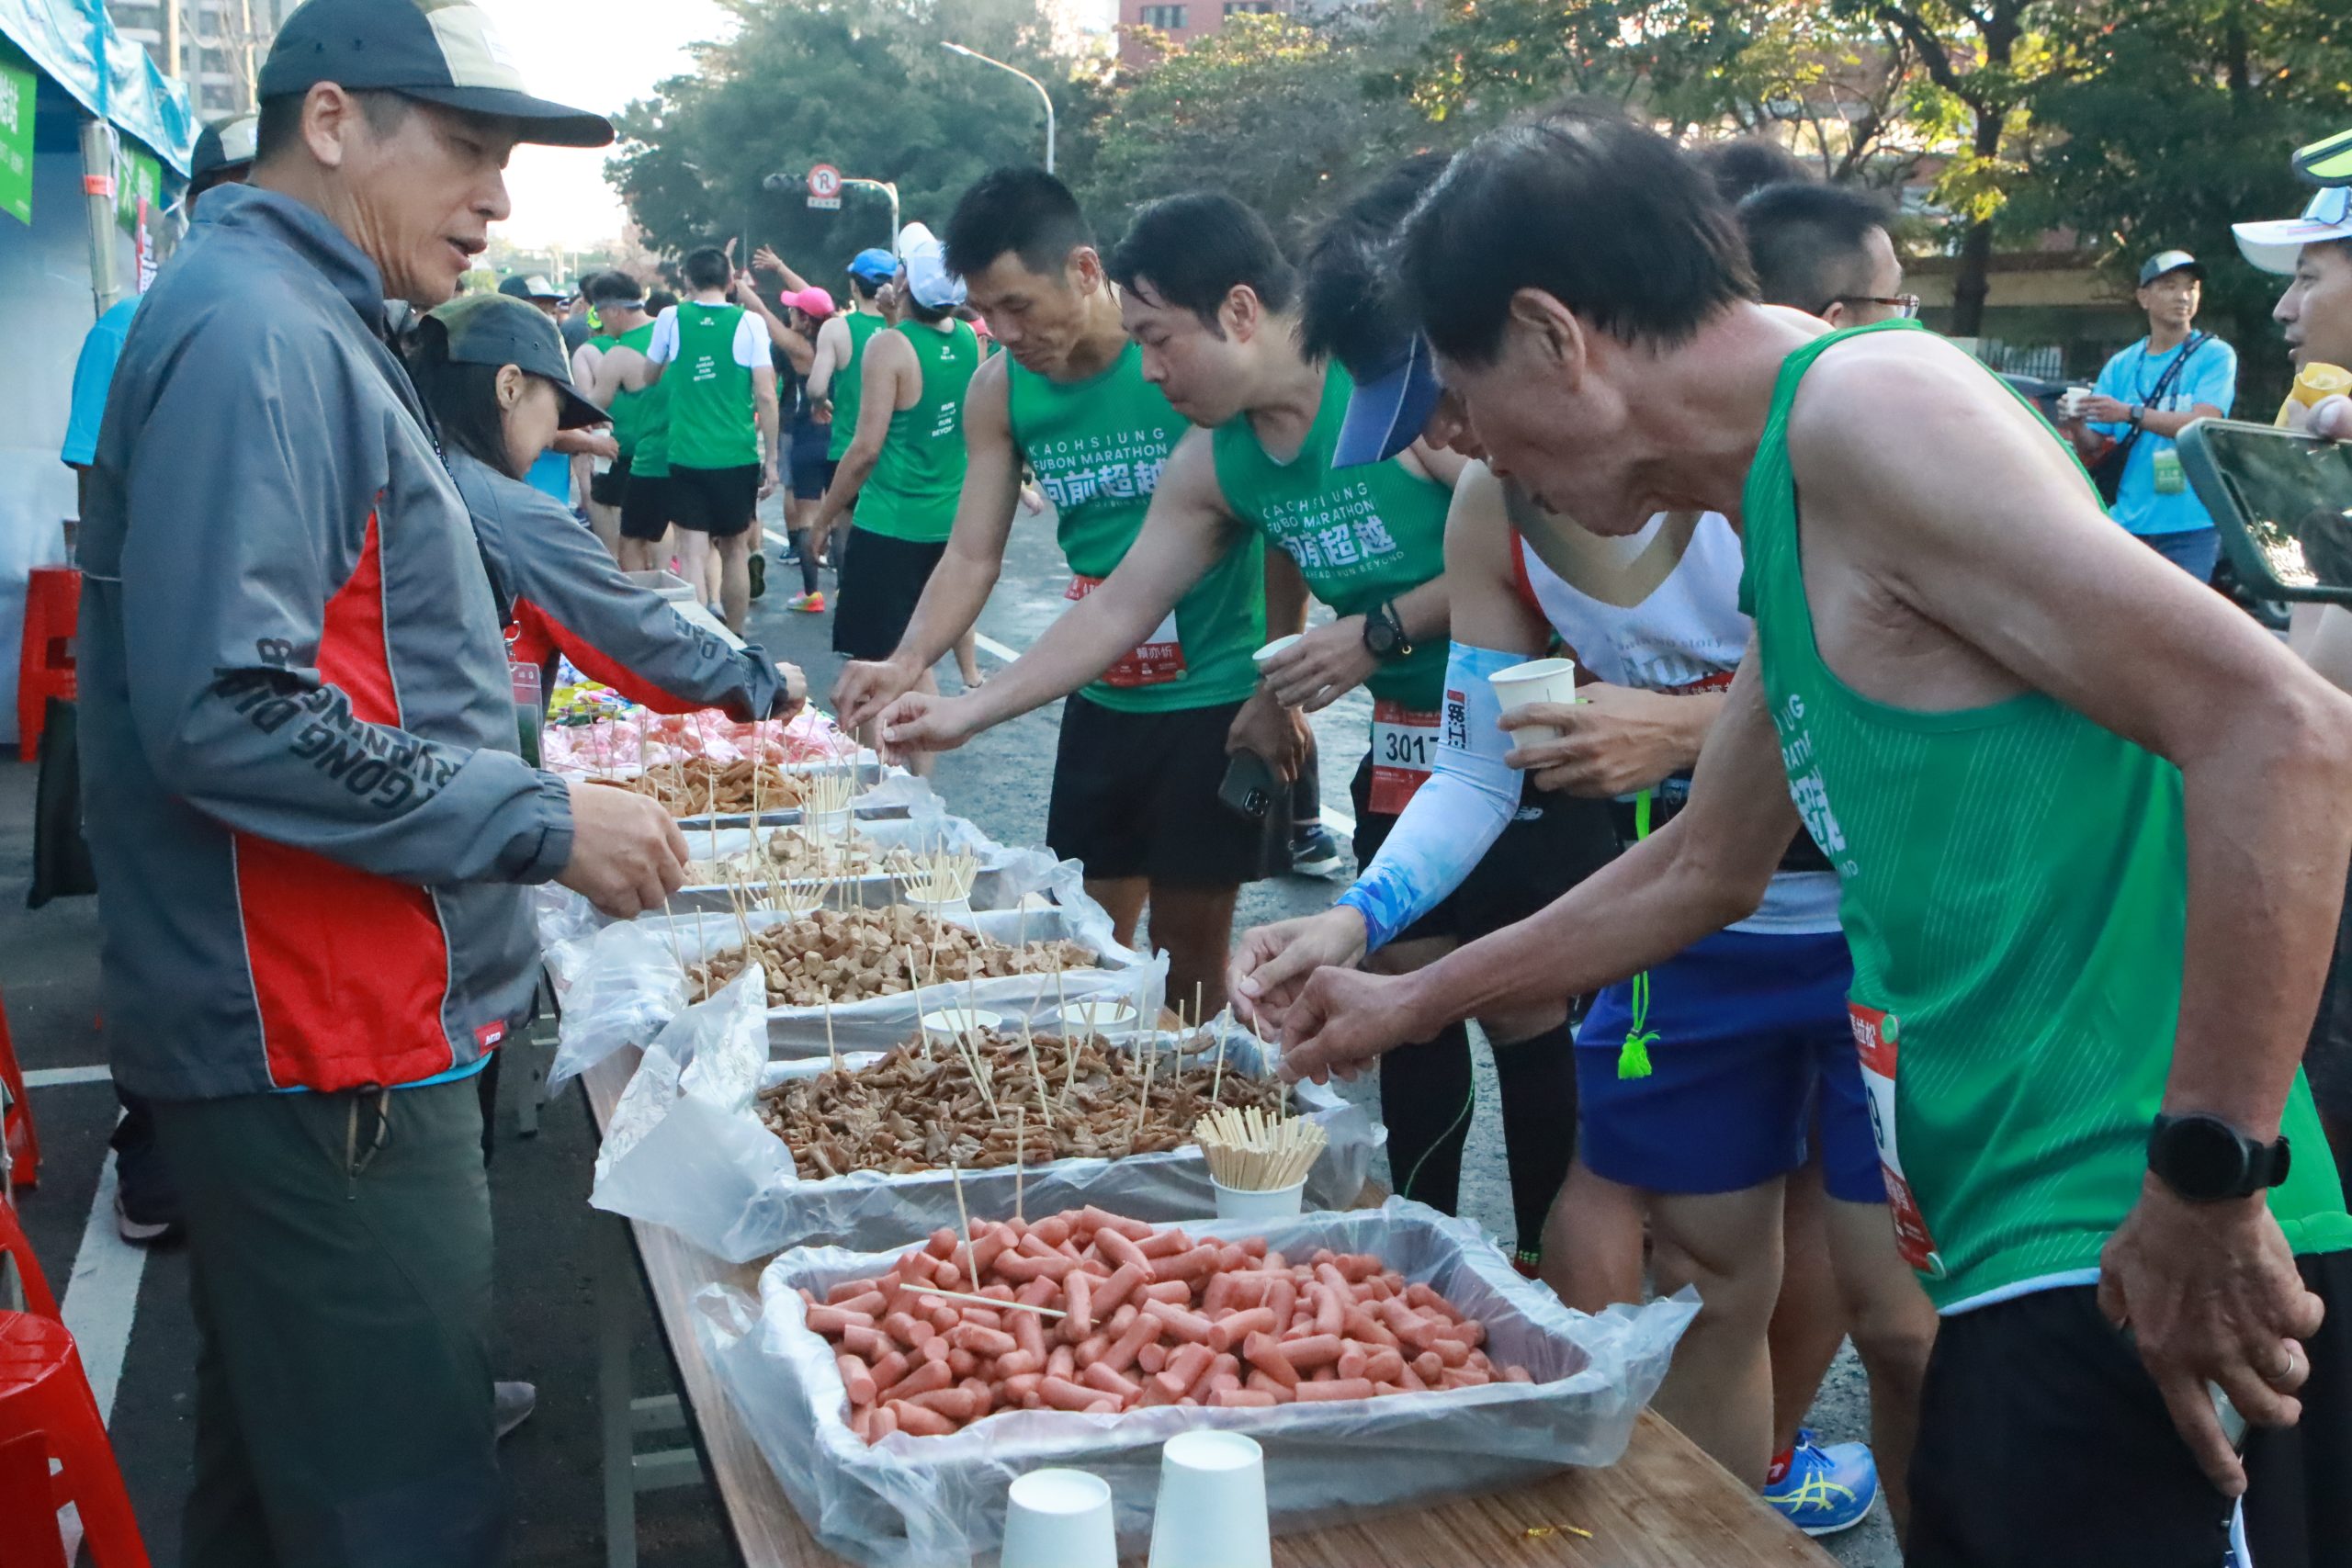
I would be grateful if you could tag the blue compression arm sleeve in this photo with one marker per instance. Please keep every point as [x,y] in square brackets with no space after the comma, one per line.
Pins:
[1456,817]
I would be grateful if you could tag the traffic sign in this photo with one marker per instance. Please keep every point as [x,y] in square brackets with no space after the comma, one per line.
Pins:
[825,188]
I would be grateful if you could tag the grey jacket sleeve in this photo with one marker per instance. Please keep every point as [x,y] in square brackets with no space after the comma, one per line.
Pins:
[566,588]
[253,487]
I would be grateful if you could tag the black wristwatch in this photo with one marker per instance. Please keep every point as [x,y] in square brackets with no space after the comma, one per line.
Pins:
[1384,632]
[2205,1161]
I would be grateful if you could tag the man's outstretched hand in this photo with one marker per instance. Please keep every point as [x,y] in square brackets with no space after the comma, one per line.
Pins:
[2210,1294]
[1343,1020]
[924,721]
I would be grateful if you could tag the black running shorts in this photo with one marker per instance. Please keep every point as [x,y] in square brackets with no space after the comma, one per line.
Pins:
[1135,794]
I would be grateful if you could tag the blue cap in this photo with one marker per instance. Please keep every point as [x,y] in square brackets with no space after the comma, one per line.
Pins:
[875,266]
[1390,407]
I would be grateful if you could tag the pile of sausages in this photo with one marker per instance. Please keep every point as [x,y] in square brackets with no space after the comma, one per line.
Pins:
[1147,1317]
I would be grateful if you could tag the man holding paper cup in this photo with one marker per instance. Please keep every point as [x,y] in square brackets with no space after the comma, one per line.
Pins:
[2026,745]
[1694,1087]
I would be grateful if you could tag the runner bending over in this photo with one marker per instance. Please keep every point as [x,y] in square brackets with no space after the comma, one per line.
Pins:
[2027,746]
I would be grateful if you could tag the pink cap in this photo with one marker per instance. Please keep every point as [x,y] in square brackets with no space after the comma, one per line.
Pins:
[812,301]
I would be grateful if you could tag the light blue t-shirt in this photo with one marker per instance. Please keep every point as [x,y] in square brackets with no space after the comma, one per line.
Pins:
[552,473]
[93,374]
[2209,377]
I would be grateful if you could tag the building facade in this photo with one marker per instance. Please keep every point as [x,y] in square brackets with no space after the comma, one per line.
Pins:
[1183,21]
[220,44]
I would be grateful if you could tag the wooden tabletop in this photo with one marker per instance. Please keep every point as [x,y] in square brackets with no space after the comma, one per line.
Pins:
[1665,1504]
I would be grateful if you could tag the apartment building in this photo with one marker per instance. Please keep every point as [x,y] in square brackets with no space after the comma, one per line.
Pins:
[220,44]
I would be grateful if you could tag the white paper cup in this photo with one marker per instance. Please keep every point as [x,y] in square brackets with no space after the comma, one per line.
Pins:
[1059,1519]
[2071,402]
[828,824]
[942,909]
[1282,1204]
[1537,681]
[1102,1015]
[1212,1503]
[949,1022]
[1271,648]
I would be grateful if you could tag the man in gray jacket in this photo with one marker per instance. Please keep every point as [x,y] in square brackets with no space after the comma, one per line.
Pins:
[303,796]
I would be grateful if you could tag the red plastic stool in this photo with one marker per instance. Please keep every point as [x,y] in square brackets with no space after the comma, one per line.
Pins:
[45,1396]
[16,1135]
[45,665]
[18,1250]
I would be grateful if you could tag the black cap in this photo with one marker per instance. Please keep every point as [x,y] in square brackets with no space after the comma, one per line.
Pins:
[442,51]
[497,329]
[2165,262]
[223,150]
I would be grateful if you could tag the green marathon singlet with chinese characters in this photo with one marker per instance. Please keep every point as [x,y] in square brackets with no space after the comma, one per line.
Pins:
[711,421]
[912,492]
[848,387]
[1098,446]
[1360,535]
[630,409]
[2013,881]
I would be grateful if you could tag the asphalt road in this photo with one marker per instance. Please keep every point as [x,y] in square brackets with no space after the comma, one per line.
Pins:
[131,1310]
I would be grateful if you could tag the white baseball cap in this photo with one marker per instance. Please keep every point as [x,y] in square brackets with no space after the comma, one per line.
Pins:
[925,260]
[2273,246]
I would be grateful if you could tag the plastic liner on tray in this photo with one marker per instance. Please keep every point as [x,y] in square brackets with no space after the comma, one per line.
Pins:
[621,983]
[1005,877]
[912,1502]
[686,1149]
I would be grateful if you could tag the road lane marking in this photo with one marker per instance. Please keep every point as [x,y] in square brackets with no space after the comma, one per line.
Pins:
[57,1077]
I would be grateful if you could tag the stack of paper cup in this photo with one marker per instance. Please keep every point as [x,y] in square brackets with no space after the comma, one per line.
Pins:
[1102,1015]
[1212,1503]
[1537,681]
[1059,1519]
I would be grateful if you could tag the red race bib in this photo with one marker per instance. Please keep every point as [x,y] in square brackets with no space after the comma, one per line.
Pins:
[1404,749]
[1876,1041]
[1154,662]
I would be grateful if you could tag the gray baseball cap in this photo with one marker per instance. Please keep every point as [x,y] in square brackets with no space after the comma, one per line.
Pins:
[442,51]
[2163,262]
[498,329]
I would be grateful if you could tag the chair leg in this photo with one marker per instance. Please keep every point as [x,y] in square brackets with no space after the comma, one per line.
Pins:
[29,1537]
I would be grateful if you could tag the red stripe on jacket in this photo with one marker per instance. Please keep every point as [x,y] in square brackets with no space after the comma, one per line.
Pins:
[350,970]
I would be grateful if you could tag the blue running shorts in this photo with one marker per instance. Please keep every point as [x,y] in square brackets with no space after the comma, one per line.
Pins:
[1751,1036]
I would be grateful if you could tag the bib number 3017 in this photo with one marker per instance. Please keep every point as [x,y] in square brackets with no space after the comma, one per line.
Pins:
[1877,1039]
[1404,750]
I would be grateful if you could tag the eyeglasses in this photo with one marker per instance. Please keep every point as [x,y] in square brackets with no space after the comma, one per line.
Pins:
[1905,306]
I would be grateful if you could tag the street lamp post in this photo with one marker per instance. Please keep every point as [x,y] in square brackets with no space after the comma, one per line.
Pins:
[1001,66]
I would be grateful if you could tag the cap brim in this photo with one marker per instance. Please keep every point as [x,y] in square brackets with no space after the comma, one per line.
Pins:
[578,413]
[2275,246]
[537,120]
[1388,413]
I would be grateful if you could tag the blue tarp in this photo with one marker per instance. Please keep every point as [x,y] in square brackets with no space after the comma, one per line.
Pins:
[74,42]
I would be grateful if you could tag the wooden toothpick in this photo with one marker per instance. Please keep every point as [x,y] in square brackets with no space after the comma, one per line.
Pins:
[1224,1022]
[971,1260]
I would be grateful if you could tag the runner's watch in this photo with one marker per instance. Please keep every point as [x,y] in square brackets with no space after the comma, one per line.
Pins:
[2205,1161]
[1384,632]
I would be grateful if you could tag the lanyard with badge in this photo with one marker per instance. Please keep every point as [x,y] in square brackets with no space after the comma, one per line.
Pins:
[2164,466]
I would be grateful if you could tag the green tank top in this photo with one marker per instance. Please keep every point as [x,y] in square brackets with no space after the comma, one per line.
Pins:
[1359,535]
[848,384]
[630,409]
[1098,446]
[2012,884]
[711,422]
[912,492]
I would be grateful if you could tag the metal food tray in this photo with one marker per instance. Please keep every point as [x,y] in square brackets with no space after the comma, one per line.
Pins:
[909,1502]
[998,885]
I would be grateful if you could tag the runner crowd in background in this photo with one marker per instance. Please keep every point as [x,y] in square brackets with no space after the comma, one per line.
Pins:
[1866,946]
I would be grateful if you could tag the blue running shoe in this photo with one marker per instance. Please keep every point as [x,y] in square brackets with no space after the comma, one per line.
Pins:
[1826,1489]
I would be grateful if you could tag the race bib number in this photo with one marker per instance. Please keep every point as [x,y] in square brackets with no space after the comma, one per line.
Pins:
[1154,662]
[1876,1041]
[1404,750]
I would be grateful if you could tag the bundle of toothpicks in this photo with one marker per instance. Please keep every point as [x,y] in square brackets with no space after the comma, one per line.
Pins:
[1249,1151]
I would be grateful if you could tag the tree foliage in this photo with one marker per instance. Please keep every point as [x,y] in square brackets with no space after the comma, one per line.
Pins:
[2175,124]
[1277,112]
[863,85]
